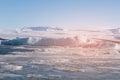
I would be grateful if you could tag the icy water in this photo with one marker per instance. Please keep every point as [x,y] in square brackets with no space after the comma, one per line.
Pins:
[58,63]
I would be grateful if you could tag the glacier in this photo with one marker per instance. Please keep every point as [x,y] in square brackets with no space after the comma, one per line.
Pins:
[58,54]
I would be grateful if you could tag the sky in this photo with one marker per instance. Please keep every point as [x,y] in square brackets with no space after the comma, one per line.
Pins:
[78,14]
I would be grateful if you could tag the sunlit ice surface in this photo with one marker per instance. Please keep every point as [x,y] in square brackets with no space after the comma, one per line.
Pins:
[85,40]
[89,42]
[59,63]
[86,59]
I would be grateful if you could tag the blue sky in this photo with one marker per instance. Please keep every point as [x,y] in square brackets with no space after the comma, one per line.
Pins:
[60,13]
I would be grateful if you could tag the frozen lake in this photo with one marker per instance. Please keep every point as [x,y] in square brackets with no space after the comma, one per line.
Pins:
[58,63]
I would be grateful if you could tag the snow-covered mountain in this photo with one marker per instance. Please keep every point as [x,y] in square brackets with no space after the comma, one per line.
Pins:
[40,28]
[115,31]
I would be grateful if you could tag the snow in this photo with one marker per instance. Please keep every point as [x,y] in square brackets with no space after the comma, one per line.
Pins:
[59,62]
[59,55]
[11,67]
[115,31]
[76,41]
[117,46]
